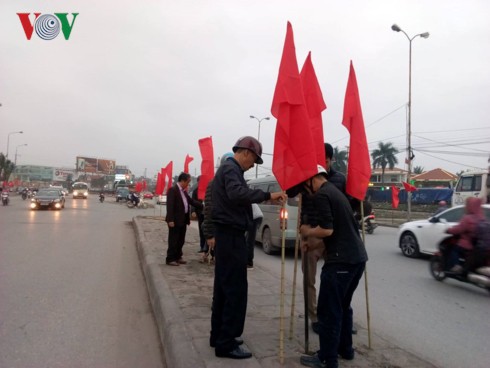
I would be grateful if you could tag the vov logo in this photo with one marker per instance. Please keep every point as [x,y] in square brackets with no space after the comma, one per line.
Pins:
[47,26]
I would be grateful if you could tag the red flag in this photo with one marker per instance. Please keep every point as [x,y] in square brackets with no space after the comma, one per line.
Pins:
[168,173]
[294,161]
[188,160]
[159,186]
[138,187]
[144,185]
[207,165]
[394,197]
[163,174]
[314,105]
[409,187]
[359,166]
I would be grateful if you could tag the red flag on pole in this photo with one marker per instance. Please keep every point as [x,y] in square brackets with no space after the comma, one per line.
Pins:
[138,187]
[159,186]
[409,187]
[168,173]
[188,160]
[359,166]
[395,200]
[163,174]
[207,165]
[294,161]
[144,185]
[314,105]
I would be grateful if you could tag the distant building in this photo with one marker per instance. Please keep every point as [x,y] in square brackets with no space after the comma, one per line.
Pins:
[435,178]
[393,176]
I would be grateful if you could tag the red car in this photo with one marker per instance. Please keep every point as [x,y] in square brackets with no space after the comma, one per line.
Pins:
[148,195]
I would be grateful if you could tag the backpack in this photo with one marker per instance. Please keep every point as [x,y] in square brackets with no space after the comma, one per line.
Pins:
[482,235]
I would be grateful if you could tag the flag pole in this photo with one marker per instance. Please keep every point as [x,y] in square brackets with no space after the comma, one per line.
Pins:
[283,261]
[296,247]
[366,288]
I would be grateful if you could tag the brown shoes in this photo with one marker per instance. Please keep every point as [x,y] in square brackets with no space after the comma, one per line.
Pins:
[181,261]
[174,263]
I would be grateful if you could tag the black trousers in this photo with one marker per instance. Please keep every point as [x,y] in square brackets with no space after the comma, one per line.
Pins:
[230,289]
[176,240]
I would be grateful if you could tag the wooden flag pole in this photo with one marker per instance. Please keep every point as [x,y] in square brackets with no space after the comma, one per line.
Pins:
[283,262]
[296,247]
[366,288]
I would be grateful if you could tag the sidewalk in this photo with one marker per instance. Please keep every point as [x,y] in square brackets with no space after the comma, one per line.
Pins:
[181,301]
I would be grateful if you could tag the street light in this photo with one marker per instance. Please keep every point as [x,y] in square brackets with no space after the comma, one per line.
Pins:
[410,155]
[8,140]
[20,145]
[258,138]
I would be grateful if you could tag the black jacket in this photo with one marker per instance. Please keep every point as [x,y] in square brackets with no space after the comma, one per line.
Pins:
[175,207]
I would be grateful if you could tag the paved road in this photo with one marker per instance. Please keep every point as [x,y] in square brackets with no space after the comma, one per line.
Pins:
[72,292]
[445,323]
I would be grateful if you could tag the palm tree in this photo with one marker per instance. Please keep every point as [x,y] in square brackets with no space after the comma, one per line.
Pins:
[418,170]
[384,156]
[339,160]
[6,167]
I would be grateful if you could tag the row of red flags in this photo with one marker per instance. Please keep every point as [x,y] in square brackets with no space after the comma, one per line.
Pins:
[395,191]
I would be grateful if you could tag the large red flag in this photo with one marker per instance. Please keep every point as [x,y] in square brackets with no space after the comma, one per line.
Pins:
[294,161]
[188,160]
[409,187]
[168,173]
[395,200]
[159,186]
[138,187]
[163,174]
[314,105]
[207,165]
[359,167]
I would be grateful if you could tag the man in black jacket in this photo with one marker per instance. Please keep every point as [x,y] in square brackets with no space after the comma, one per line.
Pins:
[232,216]
[178,217]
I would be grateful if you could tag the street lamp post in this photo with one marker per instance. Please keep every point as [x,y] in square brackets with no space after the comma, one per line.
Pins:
[410,155]
[20,145]
[8,140]
[258,138]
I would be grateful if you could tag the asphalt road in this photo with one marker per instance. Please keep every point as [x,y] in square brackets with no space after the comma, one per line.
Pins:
[72,293]
[447,323]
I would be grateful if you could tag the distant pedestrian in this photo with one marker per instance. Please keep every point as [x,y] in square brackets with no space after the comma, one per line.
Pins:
[199,211]
[442,207]
[178,217]
[345,260]
[232,217]
[257,217]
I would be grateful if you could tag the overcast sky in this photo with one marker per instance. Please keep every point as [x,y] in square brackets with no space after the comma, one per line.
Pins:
[142,81]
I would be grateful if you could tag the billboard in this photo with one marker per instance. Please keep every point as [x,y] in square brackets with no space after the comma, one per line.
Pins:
[95,165]
[60,174]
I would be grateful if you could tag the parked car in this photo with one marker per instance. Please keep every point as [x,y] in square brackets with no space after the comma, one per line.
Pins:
[48,198]
[122,194]
[423,236]
[148,195]
[270,232]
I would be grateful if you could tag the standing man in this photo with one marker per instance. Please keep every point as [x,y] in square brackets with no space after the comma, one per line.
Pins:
[345,260]
[178,217]
[232,217]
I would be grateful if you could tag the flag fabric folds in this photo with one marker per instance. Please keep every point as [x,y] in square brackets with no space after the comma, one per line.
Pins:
[359,166]
[139,187]
[294,160]
[207,165]
[168,174]
[409,187]
[188,160]
[314,106]
[159,186]
[395,200]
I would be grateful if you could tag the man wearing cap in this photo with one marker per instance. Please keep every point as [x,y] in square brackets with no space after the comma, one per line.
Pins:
[345,260]
[231,217]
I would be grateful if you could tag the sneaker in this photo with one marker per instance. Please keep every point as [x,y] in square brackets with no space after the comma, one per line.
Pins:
[312,361]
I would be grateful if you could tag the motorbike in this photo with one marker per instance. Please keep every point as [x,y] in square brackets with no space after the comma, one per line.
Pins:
[440,267]
[369,222]
[140,203]
[101,197]
[5,198]
[24,195]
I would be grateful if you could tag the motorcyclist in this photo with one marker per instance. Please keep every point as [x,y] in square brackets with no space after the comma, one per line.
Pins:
[134,198]
[101,196]
[466,229]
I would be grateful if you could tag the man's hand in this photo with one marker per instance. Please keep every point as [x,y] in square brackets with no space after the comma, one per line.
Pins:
[171,224]
[211,243]
[280,196]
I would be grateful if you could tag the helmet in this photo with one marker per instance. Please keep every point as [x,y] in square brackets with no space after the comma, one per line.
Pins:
[225,157]
[251,144]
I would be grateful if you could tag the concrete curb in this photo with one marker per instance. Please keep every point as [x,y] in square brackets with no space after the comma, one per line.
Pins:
[170,320]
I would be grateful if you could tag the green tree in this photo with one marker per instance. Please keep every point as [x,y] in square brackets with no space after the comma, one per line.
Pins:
[418,170]
[384,156]
[339,160]
[6,167]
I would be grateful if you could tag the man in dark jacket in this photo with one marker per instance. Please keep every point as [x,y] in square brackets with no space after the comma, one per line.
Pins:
[345,260]
[232,216]
[178,217]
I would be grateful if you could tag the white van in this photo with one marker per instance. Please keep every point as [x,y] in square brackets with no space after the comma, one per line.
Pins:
[269,232]
[472,184]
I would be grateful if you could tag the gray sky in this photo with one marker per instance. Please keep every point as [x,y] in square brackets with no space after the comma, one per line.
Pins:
[142,82]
